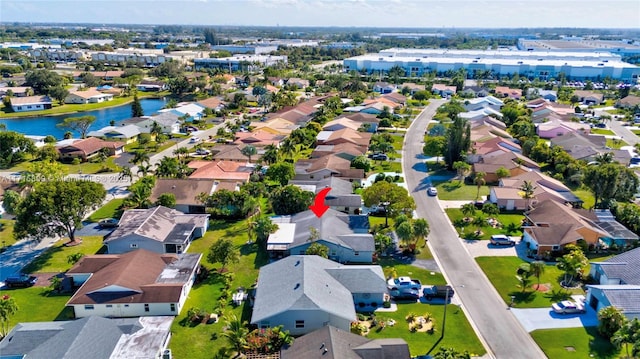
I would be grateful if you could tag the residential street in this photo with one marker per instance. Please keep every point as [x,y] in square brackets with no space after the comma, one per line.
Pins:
[498,329]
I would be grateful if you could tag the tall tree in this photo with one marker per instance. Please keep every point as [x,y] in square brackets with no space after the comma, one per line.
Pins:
[420,230]
[249,151]
[8,307]
[628,335]
[527,190]
[13,148]
[610,320]
[458,141]
[270,155]
[397,197]
[262,226]
[434,146]
[479,180]
[223,251]
[290,199]
[80,124]
[572,264]
[537,269]
[318,250]
[136,107]
[280,172]
[236,333]
[57,208]
[58,93]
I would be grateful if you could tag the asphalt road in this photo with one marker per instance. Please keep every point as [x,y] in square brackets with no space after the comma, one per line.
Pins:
[498,329]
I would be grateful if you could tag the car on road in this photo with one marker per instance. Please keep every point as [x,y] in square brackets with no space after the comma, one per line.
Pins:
[568,307]
[202,152]
[432,191]
[194,140]
[109,223]
[20,281]
[502,240]
[405,294]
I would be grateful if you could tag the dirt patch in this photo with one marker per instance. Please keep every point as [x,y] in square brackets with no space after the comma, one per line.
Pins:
[542,287]
[570,349]
[420,324]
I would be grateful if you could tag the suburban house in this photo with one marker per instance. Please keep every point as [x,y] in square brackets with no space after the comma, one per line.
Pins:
[514,162]
[330,342]
[258,138]
[38,141]
[327,166]
[222,171]
[90,95]
[158,229]
[443,90]
[231,153]
[375,108]
[346,236]
[488,128]
[622,269]
[298,115]
[298,82]
[587,147]
[474,91]
[508,194]
[151,86]
[397,98]
[347,150]
[30,103]
[121,338]
[345,135]
[138,283]
[341,197]
[304,293]
[341,123]
[87,148]
[551,225]
[383,87]
[214,103]
[589,97]
[479,103]
[169,123]
[556,128]
[624,297]
[618,234]
[503,91]
[189,112]
[278,126]
[185,191]
[127,134]
[365,120]
[14,91]
[276,81]
[628,102]
[549,95]
[413,88]
[480,113]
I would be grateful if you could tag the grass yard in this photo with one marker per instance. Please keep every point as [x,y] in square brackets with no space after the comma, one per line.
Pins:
[571,343]
[510,224]
[397,141]
[501,271]
[601,131]
[109,210]
[38,304]
[54,259]
[615,143]
[385,166]
[636,132]
[201,340]
[586,196]
[459,333]
[456,190]
[84,167]
[6,232]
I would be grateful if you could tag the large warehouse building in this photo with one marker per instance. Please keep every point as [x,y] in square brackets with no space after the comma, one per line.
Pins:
[533,64]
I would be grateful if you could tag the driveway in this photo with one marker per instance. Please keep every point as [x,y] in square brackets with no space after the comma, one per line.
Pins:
[93,229]
[481,248]
[545,318]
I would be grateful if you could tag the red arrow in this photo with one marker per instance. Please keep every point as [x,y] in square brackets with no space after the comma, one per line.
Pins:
[318,207]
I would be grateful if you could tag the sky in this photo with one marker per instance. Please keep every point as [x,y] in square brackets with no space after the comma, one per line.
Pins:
[343,13]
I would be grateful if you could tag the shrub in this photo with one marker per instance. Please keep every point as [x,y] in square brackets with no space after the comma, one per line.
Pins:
[386,304]
[361,317]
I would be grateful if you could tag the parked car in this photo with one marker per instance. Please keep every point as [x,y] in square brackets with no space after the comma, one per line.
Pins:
[403,282]
[405,294]
[502,240]
[202,152]
[20,281]
[109,223]
[379,157]
[568,307]
[432,191]
[437,291]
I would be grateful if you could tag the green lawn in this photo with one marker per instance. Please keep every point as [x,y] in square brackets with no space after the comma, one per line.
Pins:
[397,141]
[586,196]
[616,144]
[199,341]
[456,190]
[38,304]
[54,259]
[575,343]
[152,147]
[109,210]
[601,131]
[385,166]
[459,333]
[636,132]
[510,224]
[6,232]
[84,167]
[501,271]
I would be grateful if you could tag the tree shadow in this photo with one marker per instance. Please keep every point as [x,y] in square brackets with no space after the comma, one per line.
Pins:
[511,228]
[557,295]
[65,314]
[599,346]
[526,297]
[452,185]
[42,260]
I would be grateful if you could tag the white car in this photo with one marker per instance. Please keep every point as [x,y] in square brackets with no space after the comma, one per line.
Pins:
[194,140]
[432,191]
[567,307]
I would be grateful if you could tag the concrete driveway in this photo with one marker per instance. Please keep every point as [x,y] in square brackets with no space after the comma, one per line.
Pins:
[482,248]
[545,318]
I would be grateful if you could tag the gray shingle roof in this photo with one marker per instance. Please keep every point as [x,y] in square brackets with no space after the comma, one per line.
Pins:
[624,297]
[625,266]
[360,279]
[335,227]
[300,283]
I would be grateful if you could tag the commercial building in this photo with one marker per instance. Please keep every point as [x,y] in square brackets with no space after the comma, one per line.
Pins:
[579,44]
[532,64]
[246,49]
[239,62]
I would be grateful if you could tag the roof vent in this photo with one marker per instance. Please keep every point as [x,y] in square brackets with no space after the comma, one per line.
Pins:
[297,263]
[173,187]
[322,346]
[297,286]
[325,351]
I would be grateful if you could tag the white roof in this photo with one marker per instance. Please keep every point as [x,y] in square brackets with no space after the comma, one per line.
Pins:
[284,234]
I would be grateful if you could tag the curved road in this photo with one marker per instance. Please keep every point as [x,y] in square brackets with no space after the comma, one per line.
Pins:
[498,329]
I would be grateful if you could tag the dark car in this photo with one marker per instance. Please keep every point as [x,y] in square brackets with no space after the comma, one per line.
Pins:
[20,281]
[405,294]
[502,240]
[380,157]
[109,223]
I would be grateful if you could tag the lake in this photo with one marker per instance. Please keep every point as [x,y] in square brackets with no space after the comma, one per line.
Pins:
[46,125]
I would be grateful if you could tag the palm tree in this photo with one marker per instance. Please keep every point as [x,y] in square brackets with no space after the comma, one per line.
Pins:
[468,210]
[604,158]
[126,173]
[156,129]
[479,180]
[628,335]
[8,307]
[288,148]
[140,157]
[144,169]
[181,151]
[249,151]
[527,189]
[537,269]
[405,232]
[270,155]
[236,333]
[421,230]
